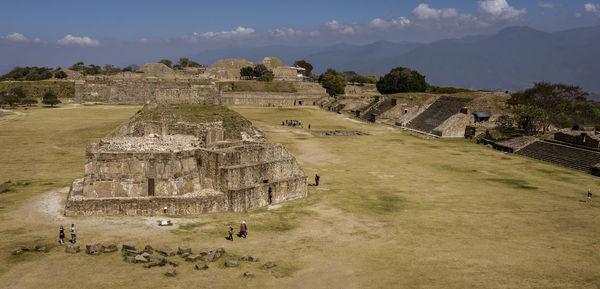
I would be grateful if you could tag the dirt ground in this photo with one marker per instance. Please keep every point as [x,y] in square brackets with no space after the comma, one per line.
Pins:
[393,211]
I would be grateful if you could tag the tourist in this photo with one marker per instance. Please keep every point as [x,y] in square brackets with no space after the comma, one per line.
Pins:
[73,234]
[309,126]
[230,238]
[243,229]
[165,209]
[61,235]
[589,196]
[317,179]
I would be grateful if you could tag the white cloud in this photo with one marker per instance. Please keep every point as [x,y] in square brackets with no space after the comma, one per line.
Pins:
[379,23]
[18,37]
[424,12]
[284,32]
[334,26]
[592,8]
[76,40]
[500,9]
[238,32]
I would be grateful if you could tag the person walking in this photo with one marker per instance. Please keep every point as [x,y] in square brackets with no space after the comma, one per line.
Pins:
[589,196]
[243,229]
[230,238]
[317,179]
[61,235]
[73,234]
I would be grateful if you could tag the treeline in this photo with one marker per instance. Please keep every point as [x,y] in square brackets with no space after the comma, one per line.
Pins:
[181,64]
[32,74]
[17,96]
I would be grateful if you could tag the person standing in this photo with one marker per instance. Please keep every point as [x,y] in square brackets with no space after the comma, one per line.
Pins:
[73,234]
[243,229]
[61,235]
[309,126]
[317,179]
[589,196]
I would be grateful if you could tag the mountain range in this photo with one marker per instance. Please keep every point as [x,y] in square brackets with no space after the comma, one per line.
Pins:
[512,59]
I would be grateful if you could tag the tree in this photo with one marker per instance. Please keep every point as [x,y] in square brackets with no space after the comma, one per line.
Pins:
[29,101]
[307,66]
[333,82]
[60,74]
[266,76]
[531,118]
[259,70]
[402,79]
[371,78]
[131,68]
[50,98]
[8,97]
[166,62]
[184,62]
[247,71]
[504,122]
[18,92]
[111,69]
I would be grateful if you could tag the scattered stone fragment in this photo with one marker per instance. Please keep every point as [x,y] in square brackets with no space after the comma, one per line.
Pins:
[28,248]
[231,263]
[72,248]
[130,259]
[201,266]
[140,259]
[131,252]
[148,249]
[269,265]
[128,247]
[248,274]
[192,258]
[166,251]
[253,258]
[152,264]
[156,258]
[184,249]
[41,249]
[220,250]
[93,248]
[18,252]
[171,272]
[173,263]
[185,255]
[109,247]
[204,253]
[145,255]
[244,258]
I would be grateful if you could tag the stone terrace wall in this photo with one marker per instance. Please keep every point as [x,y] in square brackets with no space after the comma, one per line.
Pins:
[141,91]
[147,206]
[258,196]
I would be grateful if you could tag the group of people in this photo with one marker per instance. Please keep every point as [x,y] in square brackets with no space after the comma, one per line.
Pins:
[293,123]
[61,235]
[243,233]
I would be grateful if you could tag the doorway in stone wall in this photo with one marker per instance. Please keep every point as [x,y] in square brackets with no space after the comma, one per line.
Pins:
[270,196]
[150,187]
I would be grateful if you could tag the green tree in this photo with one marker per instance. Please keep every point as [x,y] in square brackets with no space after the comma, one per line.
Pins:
[184,62]
[50,98]
[8,97]
[60,74]
[194,64]
[19,92]
[307,66]
[371,78]
[333,82]
[259,70]
[247,71]
[166,62]
[29,100]
[402,79]
[531,118]
[266,76]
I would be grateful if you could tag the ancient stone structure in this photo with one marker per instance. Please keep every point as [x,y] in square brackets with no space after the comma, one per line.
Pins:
[146,169]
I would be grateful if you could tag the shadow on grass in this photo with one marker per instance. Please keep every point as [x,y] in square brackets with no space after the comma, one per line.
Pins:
[514,183]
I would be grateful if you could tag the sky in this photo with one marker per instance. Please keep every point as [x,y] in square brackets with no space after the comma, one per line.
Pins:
[126,29]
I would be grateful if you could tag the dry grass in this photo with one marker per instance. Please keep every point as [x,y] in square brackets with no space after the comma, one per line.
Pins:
[393,211]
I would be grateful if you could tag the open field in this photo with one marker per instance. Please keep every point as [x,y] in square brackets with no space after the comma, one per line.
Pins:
[393,211]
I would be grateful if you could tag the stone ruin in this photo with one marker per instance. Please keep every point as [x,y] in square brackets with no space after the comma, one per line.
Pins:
[146,168]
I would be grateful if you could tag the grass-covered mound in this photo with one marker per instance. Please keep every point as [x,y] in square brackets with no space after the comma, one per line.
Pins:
[64,89]
[176,116]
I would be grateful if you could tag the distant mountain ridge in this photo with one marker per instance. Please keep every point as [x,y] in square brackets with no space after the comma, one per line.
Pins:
[511,59]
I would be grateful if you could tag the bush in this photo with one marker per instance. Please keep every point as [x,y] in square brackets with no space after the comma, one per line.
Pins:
[266,76]
[402,79]
[333,82]
[60,74]
[28,73]
[29,100]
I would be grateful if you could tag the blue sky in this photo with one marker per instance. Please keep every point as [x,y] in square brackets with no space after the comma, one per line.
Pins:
[124,20]
[34,30]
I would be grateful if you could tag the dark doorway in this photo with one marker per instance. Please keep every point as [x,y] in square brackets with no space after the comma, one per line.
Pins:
[270,196]
[150,187]
[299,102]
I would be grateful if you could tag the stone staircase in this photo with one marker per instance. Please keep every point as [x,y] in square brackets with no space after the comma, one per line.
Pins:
[437,113]
[562,154]
[375,109]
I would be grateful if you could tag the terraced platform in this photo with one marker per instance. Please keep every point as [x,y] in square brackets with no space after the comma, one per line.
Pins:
[561,154]
[437,113]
